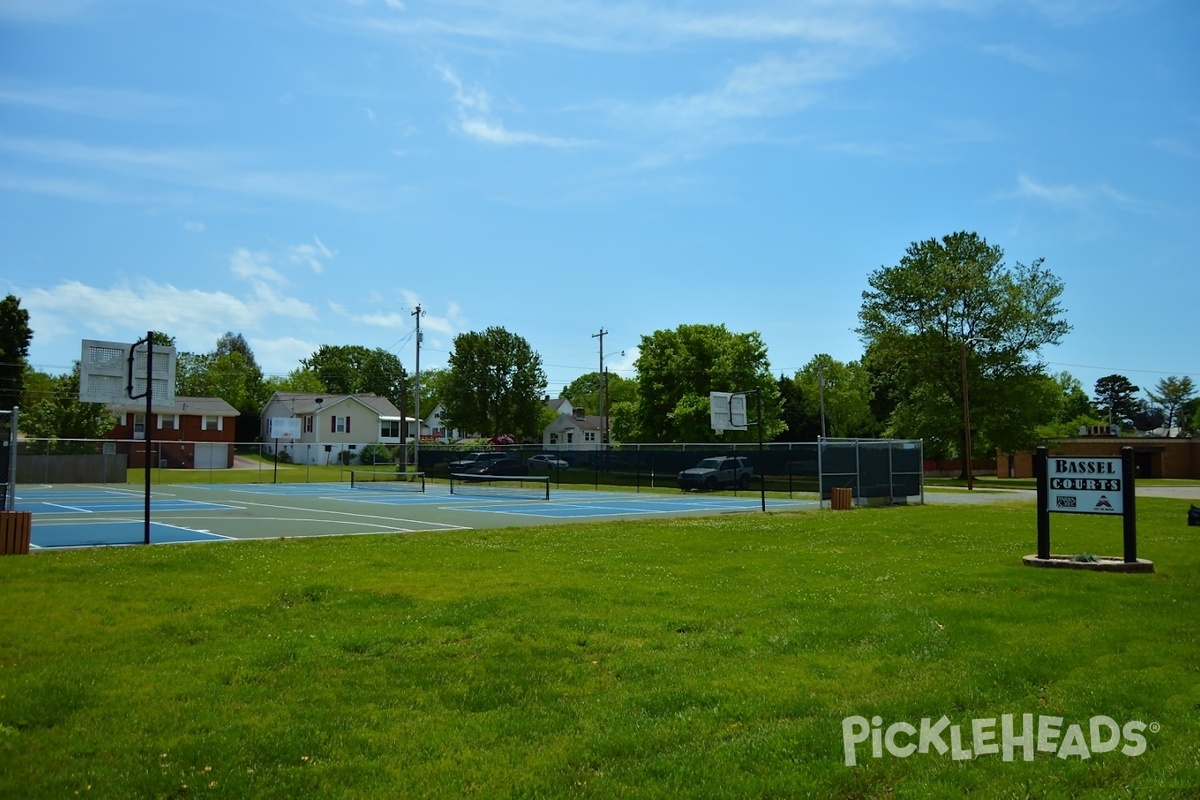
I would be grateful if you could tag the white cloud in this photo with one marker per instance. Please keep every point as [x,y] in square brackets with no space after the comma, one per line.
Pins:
[1077,199]
[281,355]
[124,312]
[1042,62]
[313,255]
[254,266]
[192,225]
[207,169]
[43,10]
[474,118]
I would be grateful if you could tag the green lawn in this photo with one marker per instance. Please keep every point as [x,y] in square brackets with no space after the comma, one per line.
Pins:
[713,657]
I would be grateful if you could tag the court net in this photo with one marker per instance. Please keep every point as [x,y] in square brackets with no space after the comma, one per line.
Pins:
[387,480]
[514,487]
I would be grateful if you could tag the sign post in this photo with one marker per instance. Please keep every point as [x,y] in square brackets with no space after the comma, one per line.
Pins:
[1100,485]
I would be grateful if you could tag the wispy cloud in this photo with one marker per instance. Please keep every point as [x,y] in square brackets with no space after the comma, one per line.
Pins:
[195,168]
[476,120]
[196,318]
[1177,147]
[119,104]
[43,10]
[313,255]
[1070,197]
[625,27]
[1016,54]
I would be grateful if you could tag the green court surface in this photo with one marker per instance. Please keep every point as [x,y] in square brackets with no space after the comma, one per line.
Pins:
[91,515]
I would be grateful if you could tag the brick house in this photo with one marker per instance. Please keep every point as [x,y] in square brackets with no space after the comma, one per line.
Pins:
[191,433]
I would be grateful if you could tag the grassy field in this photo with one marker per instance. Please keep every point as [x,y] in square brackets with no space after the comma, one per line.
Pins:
[714,657]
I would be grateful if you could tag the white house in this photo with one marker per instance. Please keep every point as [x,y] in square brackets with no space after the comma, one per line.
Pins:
[333,423]
[573,431]
[433,428]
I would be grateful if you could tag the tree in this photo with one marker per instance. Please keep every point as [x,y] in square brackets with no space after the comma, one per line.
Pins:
[494,384]
[677,369]
[1115,399]
[1074,407]
[799,424]
[847,395]
[949,304]
[15,336]
[301,380]
[57,417]
[229,372]
[1170,395]
[586,389]
[354,369]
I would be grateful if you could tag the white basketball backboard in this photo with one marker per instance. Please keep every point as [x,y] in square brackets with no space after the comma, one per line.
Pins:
[108,375]
[727,411]
[283,428]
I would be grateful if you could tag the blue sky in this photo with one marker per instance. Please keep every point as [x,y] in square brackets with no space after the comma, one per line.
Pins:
[307,172]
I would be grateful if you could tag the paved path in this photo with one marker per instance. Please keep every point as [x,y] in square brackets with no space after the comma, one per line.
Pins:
[962,496]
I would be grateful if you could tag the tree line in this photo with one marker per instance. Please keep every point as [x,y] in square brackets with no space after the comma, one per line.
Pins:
[950,333]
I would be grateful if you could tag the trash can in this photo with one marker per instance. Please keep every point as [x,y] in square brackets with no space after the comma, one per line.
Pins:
[14,532]
[841,499]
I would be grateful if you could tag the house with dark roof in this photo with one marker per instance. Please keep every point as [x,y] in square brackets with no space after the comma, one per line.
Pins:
[330,424]
[191,433]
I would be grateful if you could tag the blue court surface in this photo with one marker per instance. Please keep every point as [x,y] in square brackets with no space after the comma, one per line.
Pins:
[89,516]
[118,532]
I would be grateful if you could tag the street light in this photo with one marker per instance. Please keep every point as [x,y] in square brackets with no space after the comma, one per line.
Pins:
[967,414]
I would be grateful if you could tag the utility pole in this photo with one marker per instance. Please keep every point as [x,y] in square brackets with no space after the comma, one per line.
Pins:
[601,376]
[417,312]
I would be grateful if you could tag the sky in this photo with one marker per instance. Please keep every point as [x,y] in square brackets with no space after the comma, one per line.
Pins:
[310,172]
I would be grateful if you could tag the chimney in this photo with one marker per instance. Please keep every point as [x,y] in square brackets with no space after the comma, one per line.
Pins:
[579,413]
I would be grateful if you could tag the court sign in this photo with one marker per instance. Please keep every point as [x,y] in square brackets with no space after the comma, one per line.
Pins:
[1085,485]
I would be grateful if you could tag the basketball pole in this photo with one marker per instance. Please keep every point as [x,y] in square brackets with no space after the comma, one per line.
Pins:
[149,438]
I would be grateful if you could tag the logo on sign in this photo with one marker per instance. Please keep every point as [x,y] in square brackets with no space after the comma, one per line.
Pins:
[1065,501]
[1103,503]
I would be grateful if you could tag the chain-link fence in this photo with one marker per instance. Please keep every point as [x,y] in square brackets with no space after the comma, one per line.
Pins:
[873,468]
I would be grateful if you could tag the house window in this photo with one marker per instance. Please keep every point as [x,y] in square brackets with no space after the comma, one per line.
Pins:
[570,437]
[389,429]
[339,424]
[589,436]
[308,424]
[554,438]
[168,422]
[139,426]
[212,422]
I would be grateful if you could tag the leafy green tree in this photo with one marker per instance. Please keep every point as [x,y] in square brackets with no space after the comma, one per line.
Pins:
[1074,407]
[301,379]
[847,394]
[354,369]
[677,369]
[1170,395]
[951,307]
[799,424]
[15,336]
[586,389]
[494,384]
[433,389]
[229,372]
[58,418]
[1116,399]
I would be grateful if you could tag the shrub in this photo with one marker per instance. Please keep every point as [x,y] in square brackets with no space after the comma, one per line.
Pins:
[376,454]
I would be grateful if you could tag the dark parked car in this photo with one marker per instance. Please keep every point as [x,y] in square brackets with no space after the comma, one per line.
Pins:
[717,473]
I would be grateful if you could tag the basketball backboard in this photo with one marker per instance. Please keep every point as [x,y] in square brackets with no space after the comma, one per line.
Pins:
[115,372]
[727,411]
